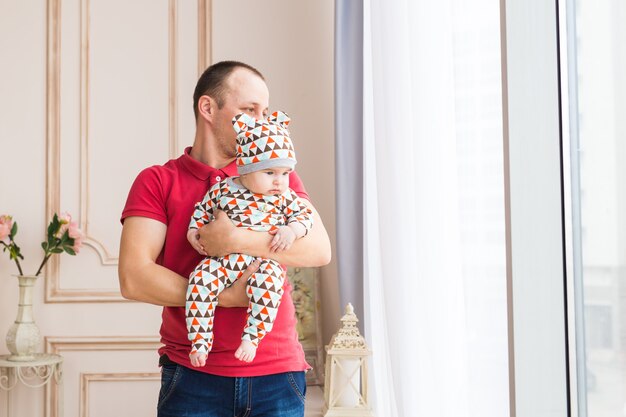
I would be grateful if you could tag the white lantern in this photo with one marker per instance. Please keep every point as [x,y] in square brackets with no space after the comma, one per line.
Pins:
[345,387]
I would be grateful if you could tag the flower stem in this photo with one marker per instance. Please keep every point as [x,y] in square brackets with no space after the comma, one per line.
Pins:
[17,261]
[19,267]
[45,259]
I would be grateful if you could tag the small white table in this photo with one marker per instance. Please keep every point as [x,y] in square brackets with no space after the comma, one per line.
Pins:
[35,373]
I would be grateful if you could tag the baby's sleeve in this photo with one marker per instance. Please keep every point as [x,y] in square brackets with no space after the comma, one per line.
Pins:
[203,210]
[296,211]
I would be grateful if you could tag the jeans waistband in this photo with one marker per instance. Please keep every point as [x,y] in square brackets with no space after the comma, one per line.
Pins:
[165,360]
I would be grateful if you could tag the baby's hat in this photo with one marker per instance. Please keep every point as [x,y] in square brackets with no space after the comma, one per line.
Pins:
[263,144]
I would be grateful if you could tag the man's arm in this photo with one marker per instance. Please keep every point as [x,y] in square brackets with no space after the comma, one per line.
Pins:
[142,279]
[222,237]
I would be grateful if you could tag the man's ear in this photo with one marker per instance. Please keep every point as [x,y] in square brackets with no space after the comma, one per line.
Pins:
[206,107]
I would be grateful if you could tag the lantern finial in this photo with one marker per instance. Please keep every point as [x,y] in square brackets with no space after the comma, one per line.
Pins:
[349,309]
[348,336]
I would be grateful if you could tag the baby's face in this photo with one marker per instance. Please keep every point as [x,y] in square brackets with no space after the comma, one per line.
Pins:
[271,181]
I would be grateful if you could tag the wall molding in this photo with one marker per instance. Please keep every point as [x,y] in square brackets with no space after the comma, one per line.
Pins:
[59,344]
[173,102]
[54,293]
[205,9]
[86,379]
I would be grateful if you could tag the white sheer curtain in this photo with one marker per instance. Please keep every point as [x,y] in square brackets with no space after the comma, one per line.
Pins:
[435,283]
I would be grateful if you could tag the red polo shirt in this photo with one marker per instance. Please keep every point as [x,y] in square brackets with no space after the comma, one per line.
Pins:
[167,194]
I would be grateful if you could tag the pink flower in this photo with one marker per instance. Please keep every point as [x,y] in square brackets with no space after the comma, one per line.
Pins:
[72,229]
[75,233]
[6,223]
[65,219]
[61,232]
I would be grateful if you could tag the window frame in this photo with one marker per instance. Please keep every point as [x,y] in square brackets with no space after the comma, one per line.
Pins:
[538,206]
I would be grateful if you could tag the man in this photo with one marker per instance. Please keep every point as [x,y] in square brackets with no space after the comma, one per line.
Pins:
[156,259]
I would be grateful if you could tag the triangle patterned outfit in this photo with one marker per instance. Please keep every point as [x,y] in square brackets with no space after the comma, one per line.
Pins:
[265,287]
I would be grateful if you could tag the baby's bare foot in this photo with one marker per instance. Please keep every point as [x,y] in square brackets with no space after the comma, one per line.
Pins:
[246,351]
[197,359]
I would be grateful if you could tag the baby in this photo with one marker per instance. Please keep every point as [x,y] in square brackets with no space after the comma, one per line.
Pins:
[259,199]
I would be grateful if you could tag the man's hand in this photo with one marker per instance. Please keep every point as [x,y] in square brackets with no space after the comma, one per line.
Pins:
[235,295]
[192,237]
[219,238]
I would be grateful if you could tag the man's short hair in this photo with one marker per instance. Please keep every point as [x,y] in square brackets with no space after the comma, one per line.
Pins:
[212,82]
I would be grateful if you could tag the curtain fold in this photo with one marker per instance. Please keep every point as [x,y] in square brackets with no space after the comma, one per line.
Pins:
[382,386]
[414,300]
[349,150]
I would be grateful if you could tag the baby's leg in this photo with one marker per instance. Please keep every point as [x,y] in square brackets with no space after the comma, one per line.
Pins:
[206,282]
[265,290]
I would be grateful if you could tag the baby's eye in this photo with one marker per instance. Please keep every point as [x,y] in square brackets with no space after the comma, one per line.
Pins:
[269,172]
[286,173]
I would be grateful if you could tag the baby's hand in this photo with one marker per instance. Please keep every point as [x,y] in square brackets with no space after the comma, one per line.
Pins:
[192,237]
[284,237]
[197,359]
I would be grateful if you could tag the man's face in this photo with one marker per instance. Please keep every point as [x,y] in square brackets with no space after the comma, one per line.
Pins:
[246,93]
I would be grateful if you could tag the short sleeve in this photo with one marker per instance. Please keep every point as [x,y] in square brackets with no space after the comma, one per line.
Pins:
[146,197]
[295,183]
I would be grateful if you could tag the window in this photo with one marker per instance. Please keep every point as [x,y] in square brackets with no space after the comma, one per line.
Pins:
[597,92]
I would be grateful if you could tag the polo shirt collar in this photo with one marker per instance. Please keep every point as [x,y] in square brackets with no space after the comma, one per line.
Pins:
[203,171]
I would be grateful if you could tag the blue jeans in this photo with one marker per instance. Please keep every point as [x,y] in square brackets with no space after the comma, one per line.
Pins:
[189,393]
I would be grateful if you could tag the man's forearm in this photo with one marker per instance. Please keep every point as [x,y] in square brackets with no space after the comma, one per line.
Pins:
[309,251]
[158,285]
[142,279]
[221,237]
[152,283]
